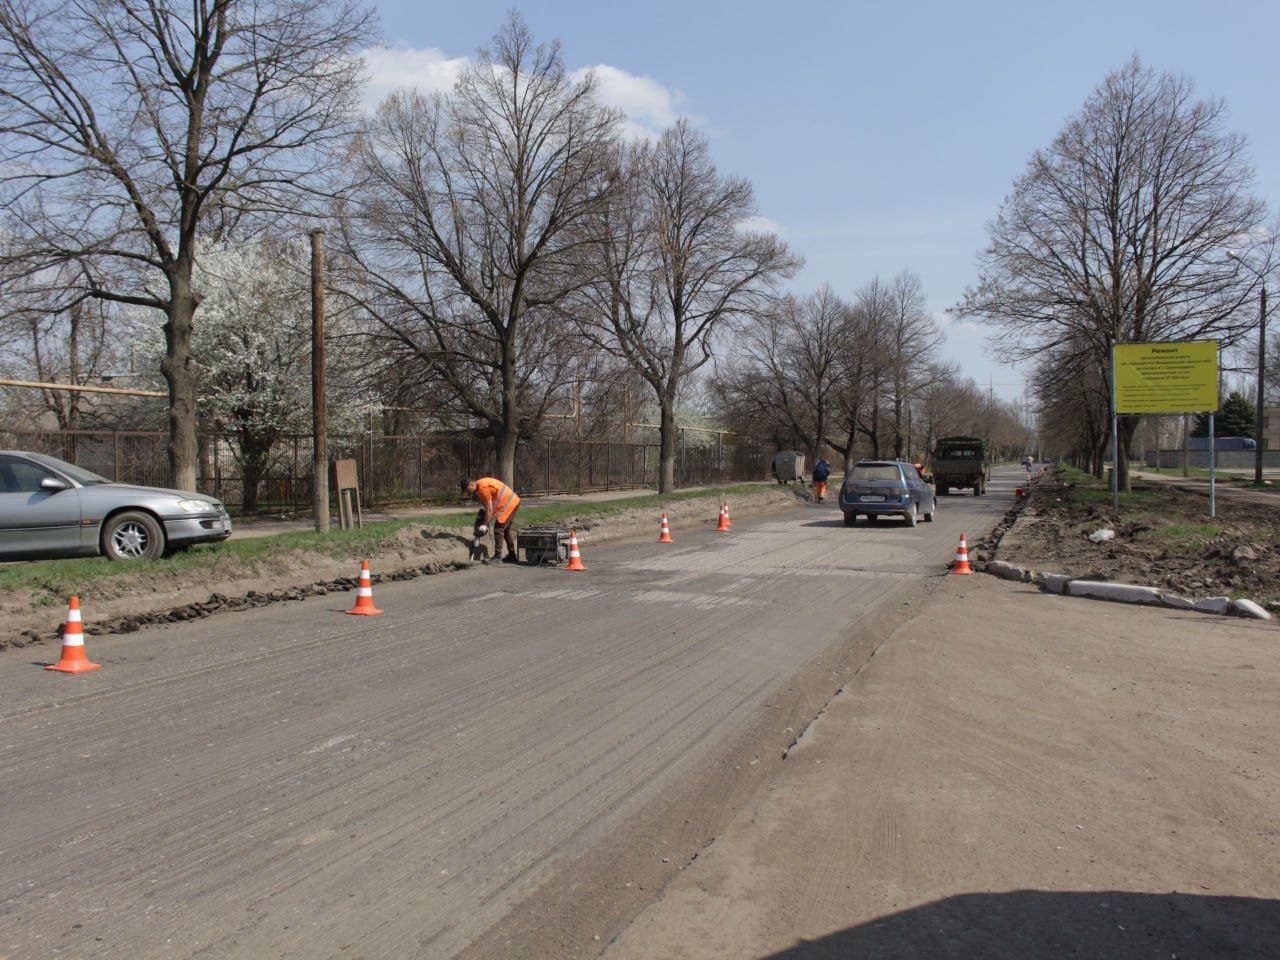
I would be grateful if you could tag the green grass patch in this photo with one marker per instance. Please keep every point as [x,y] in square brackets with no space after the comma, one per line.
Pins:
[54,580]
[1077,476]
[1103,495]
[1193,536]
[1182,531]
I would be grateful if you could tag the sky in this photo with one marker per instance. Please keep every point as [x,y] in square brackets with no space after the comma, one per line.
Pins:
[879,136]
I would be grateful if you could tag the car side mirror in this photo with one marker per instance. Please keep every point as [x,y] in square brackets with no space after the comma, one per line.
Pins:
[53,484]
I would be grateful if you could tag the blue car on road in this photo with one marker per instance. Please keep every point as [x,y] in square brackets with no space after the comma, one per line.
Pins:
[876,488]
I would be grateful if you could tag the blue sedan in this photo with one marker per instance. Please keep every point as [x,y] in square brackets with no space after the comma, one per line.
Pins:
[874,488]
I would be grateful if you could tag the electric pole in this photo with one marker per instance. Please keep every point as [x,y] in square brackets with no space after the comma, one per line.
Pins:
[319,418]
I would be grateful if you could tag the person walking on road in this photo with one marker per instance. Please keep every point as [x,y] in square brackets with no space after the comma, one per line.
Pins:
[821,470]
[498,506]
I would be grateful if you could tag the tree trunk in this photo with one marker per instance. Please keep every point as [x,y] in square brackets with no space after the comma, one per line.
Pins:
[505,437]
[255,454]
[667,445]
[180,374]
[1125,430]
[850,449]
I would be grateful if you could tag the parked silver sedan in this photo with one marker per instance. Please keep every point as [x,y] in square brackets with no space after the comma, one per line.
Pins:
[51,508]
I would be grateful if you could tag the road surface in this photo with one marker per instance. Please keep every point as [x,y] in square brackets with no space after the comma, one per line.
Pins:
[291,782]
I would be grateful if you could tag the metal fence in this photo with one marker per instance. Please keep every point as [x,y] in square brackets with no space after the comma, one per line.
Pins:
[1223,459]
[397,469]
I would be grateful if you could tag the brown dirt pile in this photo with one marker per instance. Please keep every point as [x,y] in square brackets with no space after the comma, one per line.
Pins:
[1163,538]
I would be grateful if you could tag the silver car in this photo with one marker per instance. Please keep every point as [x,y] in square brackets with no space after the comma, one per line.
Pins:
[50,508]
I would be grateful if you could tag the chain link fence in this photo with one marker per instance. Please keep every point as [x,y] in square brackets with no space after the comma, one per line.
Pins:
[396,469]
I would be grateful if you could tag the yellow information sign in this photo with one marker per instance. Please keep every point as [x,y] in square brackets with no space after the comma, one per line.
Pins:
[1166,377]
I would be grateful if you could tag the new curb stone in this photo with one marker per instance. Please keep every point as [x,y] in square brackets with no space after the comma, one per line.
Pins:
[1213,604]
[1121,592]
[1055,582]
[1247,608]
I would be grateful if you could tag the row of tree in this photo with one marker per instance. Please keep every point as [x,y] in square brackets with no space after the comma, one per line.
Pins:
[860,375]
[491,246]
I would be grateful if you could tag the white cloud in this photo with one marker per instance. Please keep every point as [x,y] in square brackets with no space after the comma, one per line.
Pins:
[948,322]
[649,106]
[759,224]
[394,68]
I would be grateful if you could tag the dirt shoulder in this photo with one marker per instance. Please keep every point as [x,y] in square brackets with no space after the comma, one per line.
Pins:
[241,575]
[1163,537]
[1011,775]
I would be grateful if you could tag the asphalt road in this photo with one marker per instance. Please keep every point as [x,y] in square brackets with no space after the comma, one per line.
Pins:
[291,782]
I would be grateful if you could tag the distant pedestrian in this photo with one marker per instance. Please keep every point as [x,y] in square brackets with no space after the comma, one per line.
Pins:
[821,470]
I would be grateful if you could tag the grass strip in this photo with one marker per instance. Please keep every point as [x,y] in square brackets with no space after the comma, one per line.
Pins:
[53,580]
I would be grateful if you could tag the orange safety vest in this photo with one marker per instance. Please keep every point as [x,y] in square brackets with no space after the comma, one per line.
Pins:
[497,494]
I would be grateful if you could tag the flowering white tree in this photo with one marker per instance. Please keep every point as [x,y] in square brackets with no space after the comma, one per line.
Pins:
[253,349]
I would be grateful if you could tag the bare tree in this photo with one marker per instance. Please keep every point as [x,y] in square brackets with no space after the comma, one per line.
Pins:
[127,126]
[789,364]
[49,333]
[910,345]
[1119,230]
[678,267]
[466,228]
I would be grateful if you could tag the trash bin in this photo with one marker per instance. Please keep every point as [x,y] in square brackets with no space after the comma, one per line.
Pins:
[788,466]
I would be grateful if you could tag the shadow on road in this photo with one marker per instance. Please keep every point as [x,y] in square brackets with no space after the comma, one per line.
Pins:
[1036,924]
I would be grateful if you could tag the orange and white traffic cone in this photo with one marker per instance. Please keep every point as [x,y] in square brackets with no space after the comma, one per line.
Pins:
[728,521]
[364,595]
[723,525]
[666,531]
[575,558]
[962,558]
[74,659]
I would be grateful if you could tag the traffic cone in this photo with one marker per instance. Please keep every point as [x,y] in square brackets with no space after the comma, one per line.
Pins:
[727,519]
[73,658]
[575,558]
[962,558]
[364,595]
[666,531]
[723,525]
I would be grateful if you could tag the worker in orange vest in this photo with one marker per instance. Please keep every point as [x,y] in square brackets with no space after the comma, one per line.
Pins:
[498,506]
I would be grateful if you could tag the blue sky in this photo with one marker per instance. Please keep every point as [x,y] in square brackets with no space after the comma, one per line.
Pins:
[879,135]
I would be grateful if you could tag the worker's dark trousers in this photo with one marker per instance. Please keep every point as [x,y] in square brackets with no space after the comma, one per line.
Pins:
[505,531]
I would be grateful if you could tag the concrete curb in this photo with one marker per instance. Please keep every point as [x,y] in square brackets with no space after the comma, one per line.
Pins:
[1124,592]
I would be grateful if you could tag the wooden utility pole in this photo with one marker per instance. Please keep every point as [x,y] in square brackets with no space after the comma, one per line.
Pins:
[319,419]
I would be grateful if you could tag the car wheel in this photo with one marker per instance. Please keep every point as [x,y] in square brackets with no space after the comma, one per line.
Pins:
[850,519]
[928,517]
[132,535]
[910,516]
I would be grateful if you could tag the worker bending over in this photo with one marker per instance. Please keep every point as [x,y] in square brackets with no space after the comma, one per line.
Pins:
[498,505]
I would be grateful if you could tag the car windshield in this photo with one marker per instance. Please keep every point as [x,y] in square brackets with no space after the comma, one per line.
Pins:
[865,473]
[78,474]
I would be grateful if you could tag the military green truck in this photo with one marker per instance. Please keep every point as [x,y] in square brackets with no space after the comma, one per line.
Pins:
[960,462]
